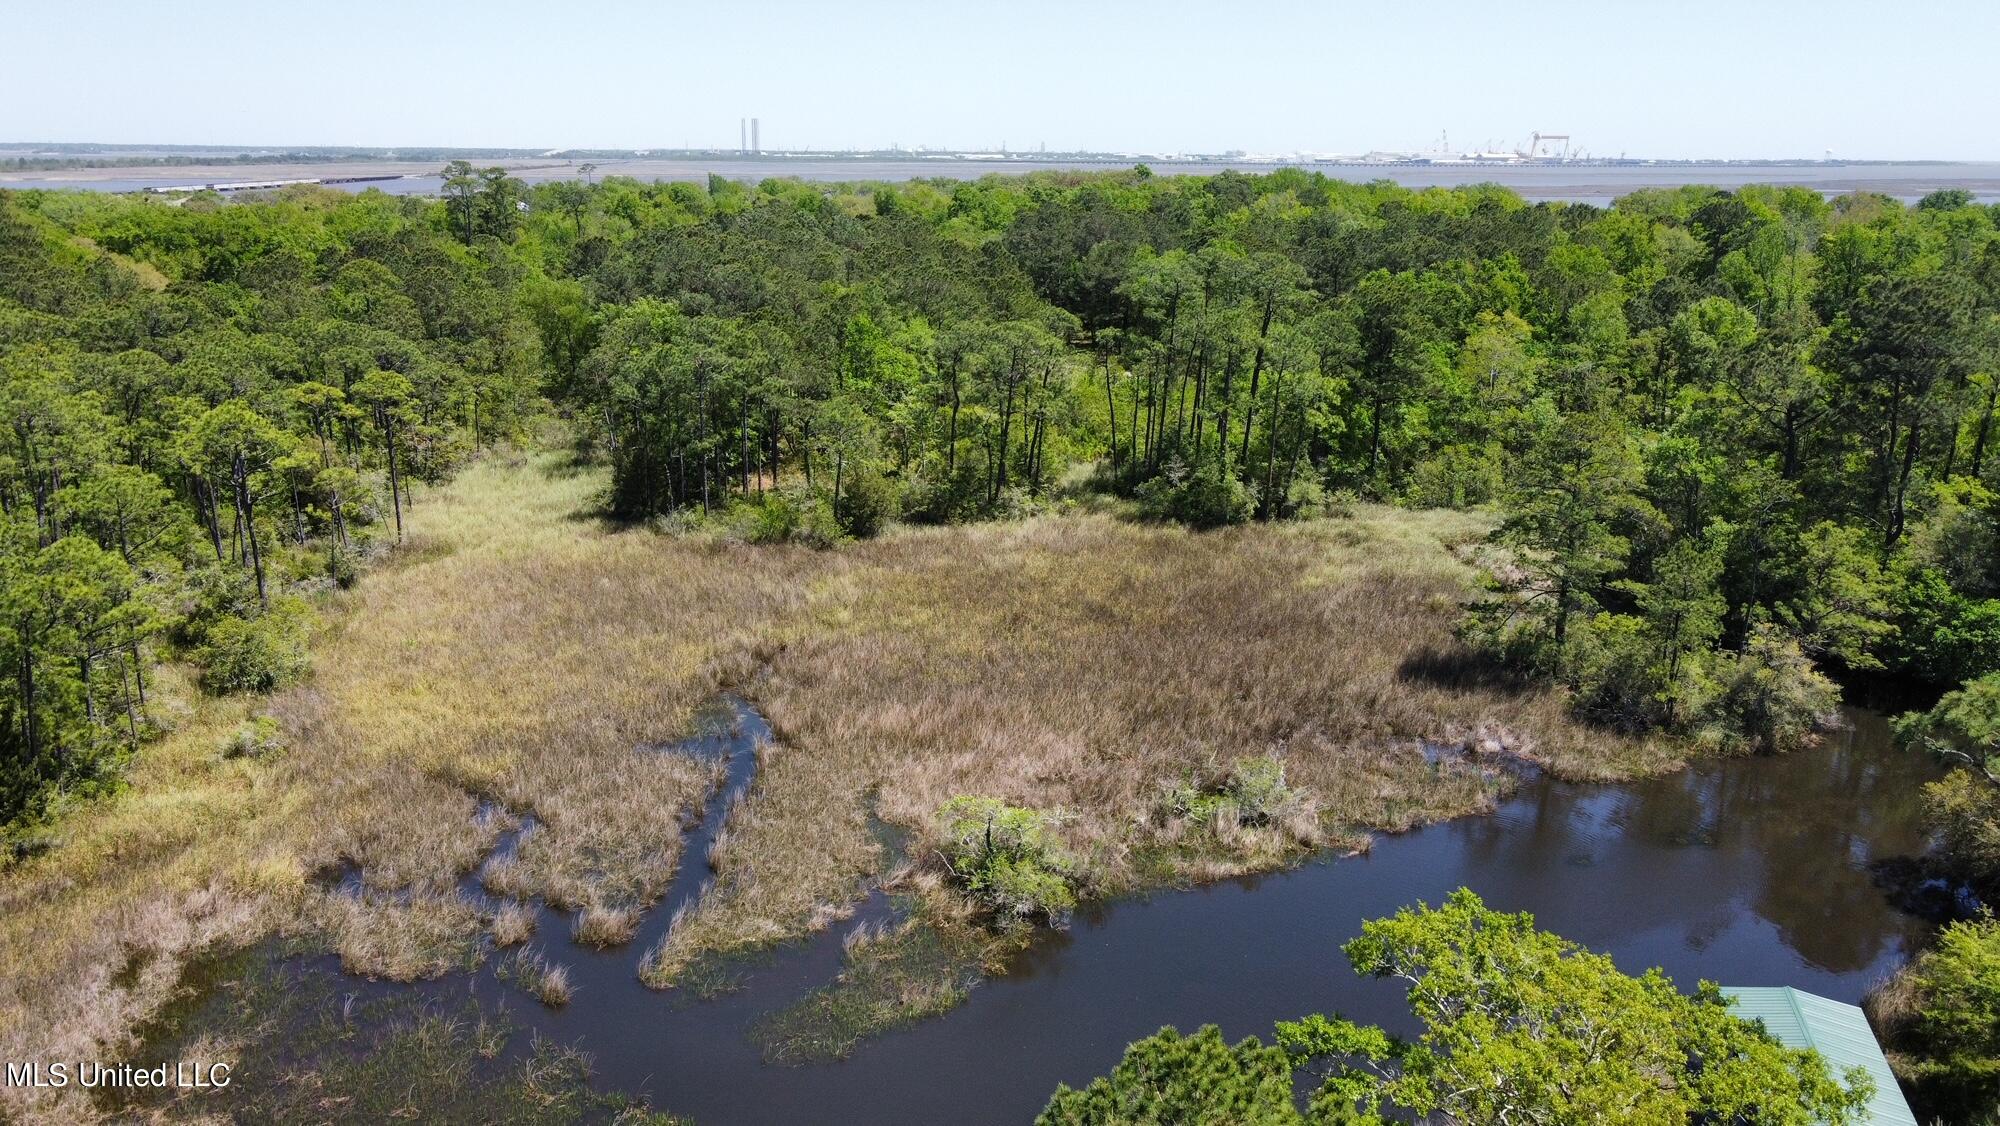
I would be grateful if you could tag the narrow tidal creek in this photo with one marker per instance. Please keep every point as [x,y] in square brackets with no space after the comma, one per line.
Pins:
[1759,871]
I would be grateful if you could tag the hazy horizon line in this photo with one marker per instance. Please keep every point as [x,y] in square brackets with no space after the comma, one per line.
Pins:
[558,151]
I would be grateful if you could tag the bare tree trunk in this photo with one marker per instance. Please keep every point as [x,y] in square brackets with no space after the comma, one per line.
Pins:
[1111,410]
[951,449]
[395,483]
[1985,427]
[247,518]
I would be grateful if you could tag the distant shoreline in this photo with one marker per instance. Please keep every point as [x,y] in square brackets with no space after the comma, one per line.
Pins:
[1552,181]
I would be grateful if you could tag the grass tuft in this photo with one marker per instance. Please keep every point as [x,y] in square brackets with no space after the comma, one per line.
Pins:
[513,924]
[605,927]
[543,980]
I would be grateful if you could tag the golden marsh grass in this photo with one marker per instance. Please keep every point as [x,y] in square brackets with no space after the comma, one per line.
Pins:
[523,655]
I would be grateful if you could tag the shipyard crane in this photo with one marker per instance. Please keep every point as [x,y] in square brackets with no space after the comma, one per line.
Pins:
[1535,146]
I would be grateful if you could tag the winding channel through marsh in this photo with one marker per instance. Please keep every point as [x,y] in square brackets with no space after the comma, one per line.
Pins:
[1757,871]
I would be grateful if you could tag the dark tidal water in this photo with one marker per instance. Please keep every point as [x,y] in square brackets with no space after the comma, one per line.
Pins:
[1759,871]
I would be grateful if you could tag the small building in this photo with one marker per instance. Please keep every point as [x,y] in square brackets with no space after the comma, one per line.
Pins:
[1839,1032]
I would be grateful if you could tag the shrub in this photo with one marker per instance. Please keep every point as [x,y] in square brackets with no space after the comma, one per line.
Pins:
[1305,498]
[341,568]
[1957,1025]
[1209,497]
[1964,809]
[867,502]
[1770,695]
[932,495]
[1253,794]
[1257,785]
[1964,728]
[254,739]
[257,654]
[791,513]
[1609,666]
[1456,477]
[212,593]
[1007,859]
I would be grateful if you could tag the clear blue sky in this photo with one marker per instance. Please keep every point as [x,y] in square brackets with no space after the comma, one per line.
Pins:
[1696,78]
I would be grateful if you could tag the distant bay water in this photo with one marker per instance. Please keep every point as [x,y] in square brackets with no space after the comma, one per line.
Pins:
[1578,183]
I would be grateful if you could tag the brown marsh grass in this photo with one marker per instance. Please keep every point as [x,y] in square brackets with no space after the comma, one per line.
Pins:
[1075,665]
[526,655]
[512,925]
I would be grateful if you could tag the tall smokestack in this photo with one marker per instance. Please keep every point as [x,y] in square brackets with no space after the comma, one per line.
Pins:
[756,146]
[742,134]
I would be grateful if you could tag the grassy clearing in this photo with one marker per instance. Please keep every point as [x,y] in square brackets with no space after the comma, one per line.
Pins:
[520,653]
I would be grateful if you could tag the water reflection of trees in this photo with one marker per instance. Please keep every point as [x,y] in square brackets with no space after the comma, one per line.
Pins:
[1808,824]
[1791,839]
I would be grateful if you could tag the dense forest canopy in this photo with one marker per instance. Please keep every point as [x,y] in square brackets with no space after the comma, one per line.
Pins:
[209,411]
[1736,434]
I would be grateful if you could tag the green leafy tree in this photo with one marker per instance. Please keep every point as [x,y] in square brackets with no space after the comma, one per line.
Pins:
[1683,608]
[1519,1026]
[1957,984]
[1964,727]
[1570,494]
[1842,606]
[1964,807]
[1198,1080]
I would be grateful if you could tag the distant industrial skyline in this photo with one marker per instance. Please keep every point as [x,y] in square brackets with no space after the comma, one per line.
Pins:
[1537,149]
[1698,79]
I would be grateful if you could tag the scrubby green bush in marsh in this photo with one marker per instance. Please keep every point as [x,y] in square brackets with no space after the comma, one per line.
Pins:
[1200,496]
[1007,859]
[867,501]
[256,654]
[791,513]
[257,737]
[1253,794]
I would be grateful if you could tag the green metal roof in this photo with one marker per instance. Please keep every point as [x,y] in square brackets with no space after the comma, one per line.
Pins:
[1839,1032]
